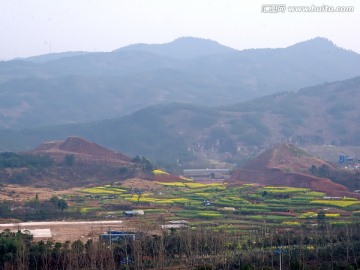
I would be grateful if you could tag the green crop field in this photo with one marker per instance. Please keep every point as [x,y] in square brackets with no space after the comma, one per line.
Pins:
[222,207]
[336,203]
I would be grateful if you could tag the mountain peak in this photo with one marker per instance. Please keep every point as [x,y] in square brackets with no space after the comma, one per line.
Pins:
[182,48]
[193,40]
[318,43]
[81,146]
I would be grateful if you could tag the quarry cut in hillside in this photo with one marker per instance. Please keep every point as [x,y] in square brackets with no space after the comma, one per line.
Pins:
[82,150]
[287,165]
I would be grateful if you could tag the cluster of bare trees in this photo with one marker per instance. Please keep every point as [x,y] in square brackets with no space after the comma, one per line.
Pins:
[19,252]
[323,247]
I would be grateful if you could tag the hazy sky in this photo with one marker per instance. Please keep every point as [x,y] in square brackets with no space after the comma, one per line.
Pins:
[33,27]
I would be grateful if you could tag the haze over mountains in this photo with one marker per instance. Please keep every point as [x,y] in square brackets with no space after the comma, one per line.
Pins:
[169,134]
[184,103]
[182,48]
[80,87]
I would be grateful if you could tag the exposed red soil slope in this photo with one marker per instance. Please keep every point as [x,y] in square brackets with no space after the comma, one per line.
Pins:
[82,150]
[286,165]
[167,178]
[286,157]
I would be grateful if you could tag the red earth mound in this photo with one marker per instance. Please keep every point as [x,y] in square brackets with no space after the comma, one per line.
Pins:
[286,157]
[286,165]
[82,150]
[167,178]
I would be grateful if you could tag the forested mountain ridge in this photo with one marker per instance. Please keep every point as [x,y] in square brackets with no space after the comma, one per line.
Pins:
[82,87]
[180,134]
[182,48]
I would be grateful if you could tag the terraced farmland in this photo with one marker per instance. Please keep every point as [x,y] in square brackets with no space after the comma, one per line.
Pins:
[218,205]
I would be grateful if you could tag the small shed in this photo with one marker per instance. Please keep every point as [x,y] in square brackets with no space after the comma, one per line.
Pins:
[39,233]
[134,213]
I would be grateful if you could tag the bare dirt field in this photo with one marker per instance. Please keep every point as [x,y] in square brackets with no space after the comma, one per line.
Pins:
[65,230]
[142,184]
[69,230]
[25,193]
[61,230]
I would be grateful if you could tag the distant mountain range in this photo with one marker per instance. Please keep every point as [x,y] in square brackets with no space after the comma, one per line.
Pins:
[78,87]
[182,135]
[182,48]
[51,56]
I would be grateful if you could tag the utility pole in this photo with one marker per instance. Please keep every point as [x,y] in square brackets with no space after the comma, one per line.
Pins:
[280,251]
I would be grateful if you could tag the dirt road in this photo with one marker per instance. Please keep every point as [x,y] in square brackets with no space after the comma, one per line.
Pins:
[69,230]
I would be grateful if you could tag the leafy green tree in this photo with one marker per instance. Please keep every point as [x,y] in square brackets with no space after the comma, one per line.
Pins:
[78,247]
[59,203]
[137,159]
[14,160]
[321,218]
[324,171]
[313,170]
[62,205]
[69,160]
[123,170]
[146,164]
[5,209]
[54,200]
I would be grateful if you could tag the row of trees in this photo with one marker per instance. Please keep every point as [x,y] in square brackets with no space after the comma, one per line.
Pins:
[144,164]
[14,160]
[348,178]
[326,247]
[35,209]
[18,251]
